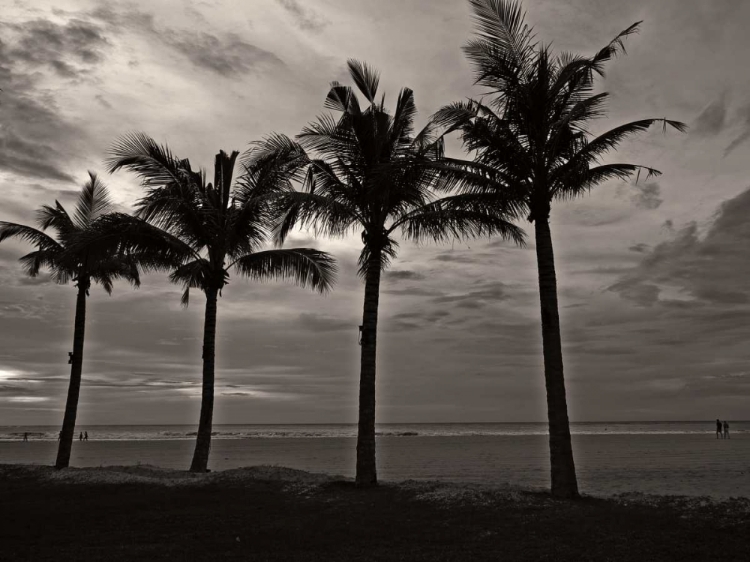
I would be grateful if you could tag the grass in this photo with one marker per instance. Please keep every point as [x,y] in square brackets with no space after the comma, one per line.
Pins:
[251,519]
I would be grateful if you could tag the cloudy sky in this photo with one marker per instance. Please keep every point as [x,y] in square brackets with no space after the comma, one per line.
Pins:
[654,278]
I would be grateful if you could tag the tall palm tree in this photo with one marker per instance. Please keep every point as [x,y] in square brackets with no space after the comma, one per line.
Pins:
[368,172]
[531,143]
[81,266]
[201,231]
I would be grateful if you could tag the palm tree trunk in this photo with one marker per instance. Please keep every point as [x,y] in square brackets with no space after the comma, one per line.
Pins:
[71,405]
[203,442]
[366,467]
[564,482]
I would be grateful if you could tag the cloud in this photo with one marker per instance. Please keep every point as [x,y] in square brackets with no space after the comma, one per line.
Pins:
[226,55]
[102,100]
[320,323]
[35,136]
[711,120]
[305,18]
[639,248]
[44,43]
[403,275]
[646,196]
[743,116]
[491,292]
[456,258]
[712,269]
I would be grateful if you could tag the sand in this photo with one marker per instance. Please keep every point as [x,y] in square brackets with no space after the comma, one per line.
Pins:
[278,514]
[607,465]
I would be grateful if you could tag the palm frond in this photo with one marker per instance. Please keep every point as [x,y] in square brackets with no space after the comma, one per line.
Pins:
[613,49]
[33,262]
[223,173]
[93,201]
[591,151]
[28,234]
[502,24]
[461,217]
[327,216]
[58,219]
[365,77]
[151,247]
[588,178]
[108,269]
[342,98]
[153,163]
[305,267]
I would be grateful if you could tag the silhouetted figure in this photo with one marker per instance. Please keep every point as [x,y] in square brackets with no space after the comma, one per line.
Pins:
[80,437]
[726,430]
[718,429]
[25,436]
[85,435]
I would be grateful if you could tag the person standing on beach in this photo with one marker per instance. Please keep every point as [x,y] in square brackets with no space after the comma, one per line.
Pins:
[718,429]
[80,437]
[85,435]
[25,436]
[726,429]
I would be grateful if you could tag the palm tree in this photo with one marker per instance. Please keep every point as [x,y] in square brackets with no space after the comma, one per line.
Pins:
[531,143]
[201,231]
[81,266]
[368,172]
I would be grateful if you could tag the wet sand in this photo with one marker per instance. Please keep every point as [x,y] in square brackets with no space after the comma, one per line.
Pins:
[695,465]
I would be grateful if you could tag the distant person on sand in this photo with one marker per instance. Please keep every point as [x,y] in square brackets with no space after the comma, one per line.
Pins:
[718,429]
[85,435]
[726,430]
[25,436]
[80,437]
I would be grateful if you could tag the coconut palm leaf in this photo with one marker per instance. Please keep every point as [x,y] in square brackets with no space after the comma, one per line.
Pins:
[93,202]
[28,234]
[365,77]
[458,217]
[153,163]
[306,267]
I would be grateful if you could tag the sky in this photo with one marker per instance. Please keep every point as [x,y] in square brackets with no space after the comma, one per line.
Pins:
[653,276]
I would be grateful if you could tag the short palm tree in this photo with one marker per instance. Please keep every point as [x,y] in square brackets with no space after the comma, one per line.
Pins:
[201,231]
[531,143]
[81,266]
[367,171]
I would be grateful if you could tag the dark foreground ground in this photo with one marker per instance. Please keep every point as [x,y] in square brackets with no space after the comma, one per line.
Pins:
[243,515]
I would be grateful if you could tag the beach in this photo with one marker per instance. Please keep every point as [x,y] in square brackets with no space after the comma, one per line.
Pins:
[274,513]
[690,464]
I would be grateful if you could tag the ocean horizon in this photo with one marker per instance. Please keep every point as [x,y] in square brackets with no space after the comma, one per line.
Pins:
[163,432]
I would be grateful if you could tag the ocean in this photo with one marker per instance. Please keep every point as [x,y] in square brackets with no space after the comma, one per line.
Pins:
[312,431]
[678,458]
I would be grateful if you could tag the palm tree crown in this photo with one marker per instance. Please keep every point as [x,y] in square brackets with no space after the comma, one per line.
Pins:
[532,138]
[61,255]
[205,229]
[367,170]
